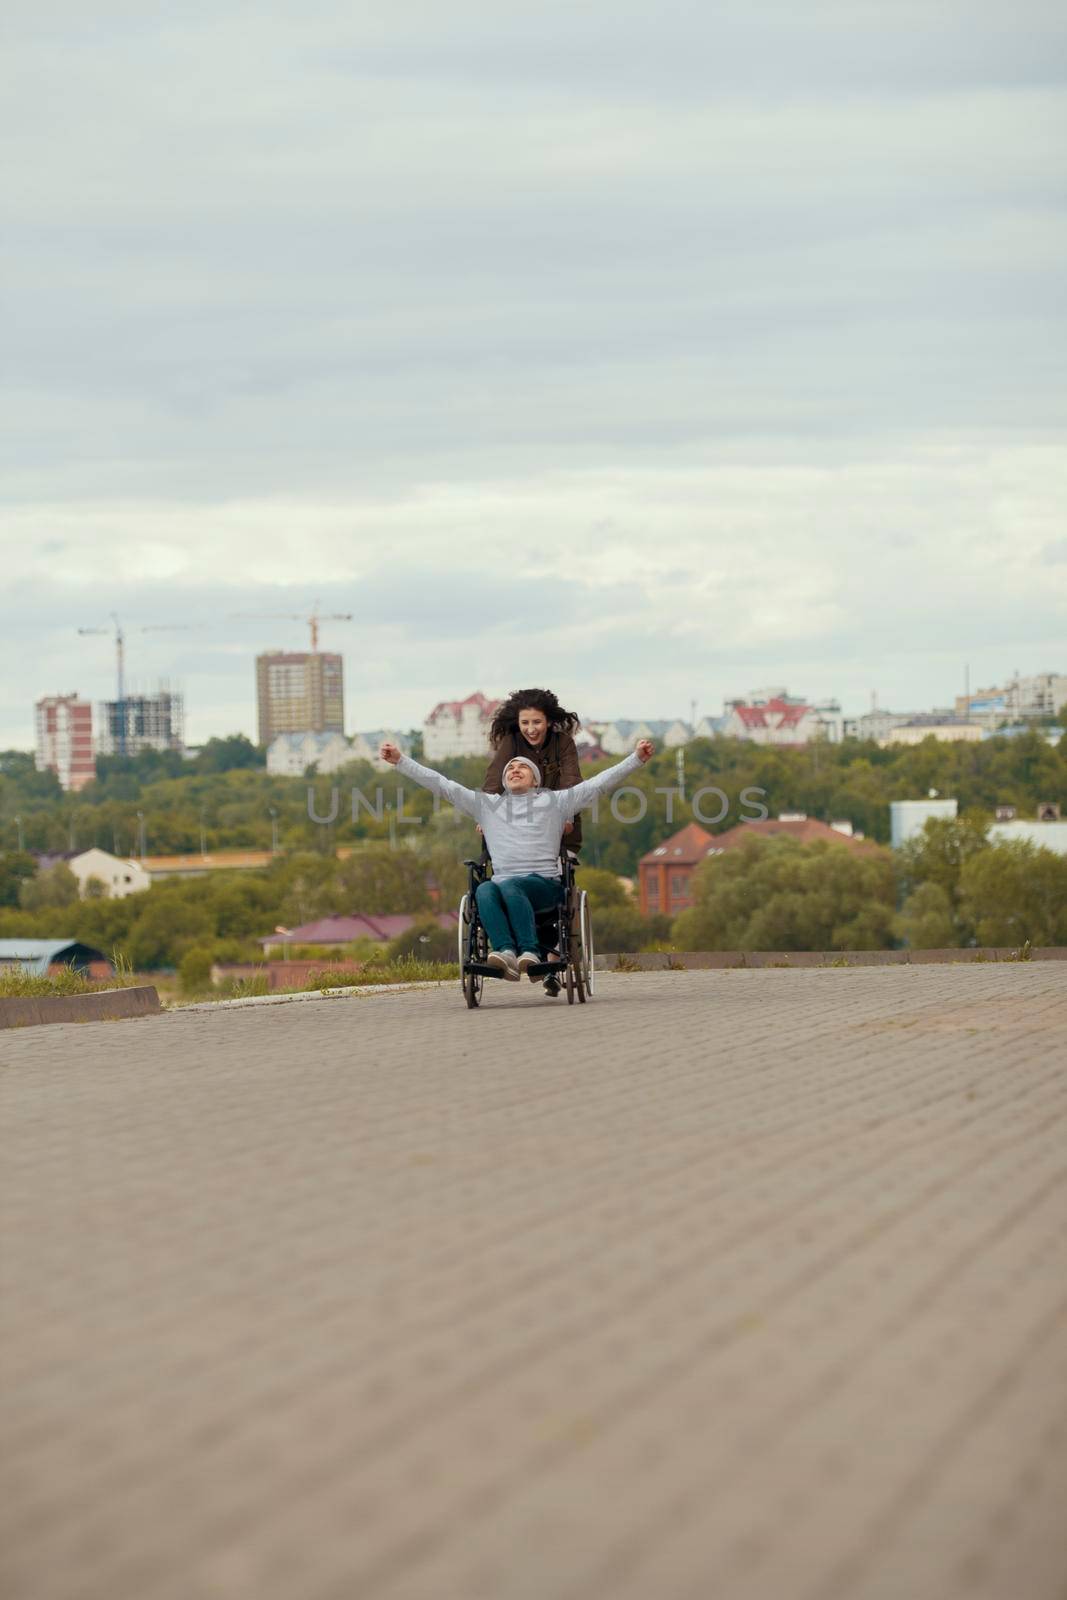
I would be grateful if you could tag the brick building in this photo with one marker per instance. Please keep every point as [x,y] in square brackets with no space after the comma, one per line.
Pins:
[65,739]
[665,874]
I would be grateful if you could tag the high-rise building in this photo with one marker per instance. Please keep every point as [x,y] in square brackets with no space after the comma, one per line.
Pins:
[298,692]
[65,739]
[141,722]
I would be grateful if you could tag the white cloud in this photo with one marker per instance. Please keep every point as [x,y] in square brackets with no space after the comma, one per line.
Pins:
[654,353]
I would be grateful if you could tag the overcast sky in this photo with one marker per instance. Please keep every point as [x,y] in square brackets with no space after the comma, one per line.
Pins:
[650,352]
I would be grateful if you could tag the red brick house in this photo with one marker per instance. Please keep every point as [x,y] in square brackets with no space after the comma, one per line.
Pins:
[664,874]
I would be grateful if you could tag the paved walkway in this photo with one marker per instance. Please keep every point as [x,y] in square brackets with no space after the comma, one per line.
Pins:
[748,1285]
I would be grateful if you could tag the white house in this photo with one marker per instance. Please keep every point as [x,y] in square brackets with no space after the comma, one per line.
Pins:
[909,817]
[458,728]
[774,718]
[118,875]
[290,754]
[1046,835]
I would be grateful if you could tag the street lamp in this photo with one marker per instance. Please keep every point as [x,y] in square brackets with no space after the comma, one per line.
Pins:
[140,831]
[203,836]
[18,824]
[273,831]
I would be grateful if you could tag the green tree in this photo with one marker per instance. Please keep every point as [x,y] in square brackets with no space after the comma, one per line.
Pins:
[1015,892]
[56,886]
[426,940]
[17,867]
[776,894]
[194,971]
[603,888]
[927,919]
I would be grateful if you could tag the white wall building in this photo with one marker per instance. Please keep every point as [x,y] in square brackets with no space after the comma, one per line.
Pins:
[909,817]
[875,724]
[289,755]
[458,728]
[949,729]
[118,875]
[1046,835]
[772,717]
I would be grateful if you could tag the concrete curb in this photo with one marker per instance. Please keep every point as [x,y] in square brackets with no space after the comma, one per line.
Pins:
[110,1005]
[695,960]
[348,992]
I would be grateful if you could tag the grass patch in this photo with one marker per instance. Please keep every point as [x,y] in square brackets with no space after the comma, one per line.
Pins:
[404,969]
[17,983]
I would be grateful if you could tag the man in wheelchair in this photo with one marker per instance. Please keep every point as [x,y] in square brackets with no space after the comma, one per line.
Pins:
[523,828]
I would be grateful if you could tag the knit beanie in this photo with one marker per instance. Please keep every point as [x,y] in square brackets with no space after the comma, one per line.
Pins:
[526,763]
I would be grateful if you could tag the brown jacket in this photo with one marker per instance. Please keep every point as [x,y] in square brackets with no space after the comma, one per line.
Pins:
[556,760]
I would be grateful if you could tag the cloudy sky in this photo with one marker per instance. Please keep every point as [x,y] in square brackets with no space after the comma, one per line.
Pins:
[650,352]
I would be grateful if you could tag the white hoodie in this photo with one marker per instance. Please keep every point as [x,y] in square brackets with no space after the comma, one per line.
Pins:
[523,831]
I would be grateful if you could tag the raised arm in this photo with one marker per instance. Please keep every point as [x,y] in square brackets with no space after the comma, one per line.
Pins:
[463,799]
[572,800]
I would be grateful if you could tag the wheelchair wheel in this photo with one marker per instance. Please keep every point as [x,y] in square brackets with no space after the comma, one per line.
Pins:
[585,936]
[471,939]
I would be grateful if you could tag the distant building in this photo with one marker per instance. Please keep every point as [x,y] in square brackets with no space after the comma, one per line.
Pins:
[43,956]
[909,817]
[141,722]
[199,866]
[291,754]
[1040,694]
[118,875]
[299,692]
[1048,830]
[665,872]
[875,724]
[773,717]
[458,728]
[618,738]
[933,725]
[65,739]
[336,930]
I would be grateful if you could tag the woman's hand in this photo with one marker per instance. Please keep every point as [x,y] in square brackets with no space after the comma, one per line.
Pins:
[391,753]
[645,750]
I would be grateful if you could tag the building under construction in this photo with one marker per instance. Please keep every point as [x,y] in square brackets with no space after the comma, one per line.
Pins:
[141,722]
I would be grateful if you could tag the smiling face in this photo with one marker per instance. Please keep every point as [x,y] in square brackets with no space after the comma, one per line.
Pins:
[533,725]
[519,778]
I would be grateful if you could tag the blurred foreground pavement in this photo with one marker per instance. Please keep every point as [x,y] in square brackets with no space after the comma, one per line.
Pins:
[748,1285]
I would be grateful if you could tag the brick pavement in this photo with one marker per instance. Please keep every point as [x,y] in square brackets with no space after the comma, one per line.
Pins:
[747,1284]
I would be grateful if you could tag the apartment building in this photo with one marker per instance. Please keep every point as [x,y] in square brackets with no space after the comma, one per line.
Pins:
[64,727]
[299,692]
[458,727]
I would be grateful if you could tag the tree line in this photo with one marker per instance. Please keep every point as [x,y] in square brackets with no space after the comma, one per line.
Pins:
[225,799]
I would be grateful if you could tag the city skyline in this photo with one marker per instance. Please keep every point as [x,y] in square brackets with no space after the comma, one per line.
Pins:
[722,356]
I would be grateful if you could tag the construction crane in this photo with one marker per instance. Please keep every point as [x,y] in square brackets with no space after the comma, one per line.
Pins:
[120,667]
[298,616]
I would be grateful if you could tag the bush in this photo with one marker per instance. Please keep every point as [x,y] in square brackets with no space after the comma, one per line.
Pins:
[425,940]
[194,973]
[619,929]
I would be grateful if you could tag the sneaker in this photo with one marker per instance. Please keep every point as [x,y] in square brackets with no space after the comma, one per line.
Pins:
[552,986]
[505,961]
[528,959]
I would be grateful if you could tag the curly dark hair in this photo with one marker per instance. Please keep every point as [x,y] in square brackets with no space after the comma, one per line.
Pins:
[506,719]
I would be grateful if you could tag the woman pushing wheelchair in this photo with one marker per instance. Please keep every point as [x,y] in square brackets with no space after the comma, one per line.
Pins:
[523,828]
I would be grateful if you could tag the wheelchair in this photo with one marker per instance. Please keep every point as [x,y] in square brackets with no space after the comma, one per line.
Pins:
[566,928]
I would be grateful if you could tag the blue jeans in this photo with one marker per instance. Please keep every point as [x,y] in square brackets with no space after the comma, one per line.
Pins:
[507,909]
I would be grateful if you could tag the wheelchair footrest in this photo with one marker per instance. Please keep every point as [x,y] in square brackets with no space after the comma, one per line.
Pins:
[542,969]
